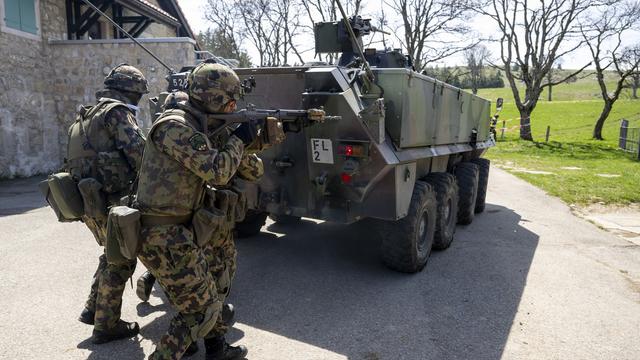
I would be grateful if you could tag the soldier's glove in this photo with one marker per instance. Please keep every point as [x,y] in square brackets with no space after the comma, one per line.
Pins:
[247,132]
[316,115]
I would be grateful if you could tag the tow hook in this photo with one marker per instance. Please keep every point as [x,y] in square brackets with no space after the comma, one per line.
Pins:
[320,183]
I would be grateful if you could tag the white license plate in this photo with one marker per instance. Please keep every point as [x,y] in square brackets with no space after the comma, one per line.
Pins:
[322,151]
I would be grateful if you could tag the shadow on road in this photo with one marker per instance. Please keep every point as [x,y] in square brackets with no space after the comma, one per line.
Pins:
[322,284]
[121,349]
[20,195]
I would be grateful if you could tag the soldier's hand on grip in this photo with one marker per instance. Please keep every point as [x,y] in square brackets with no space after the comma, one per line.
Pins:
[247,132]
[316,115]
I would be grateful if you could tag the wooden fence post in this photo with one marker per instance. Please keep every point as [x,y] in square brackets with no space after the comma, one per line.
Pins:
[504,125]
[622,143]
[638,142]
[546,137]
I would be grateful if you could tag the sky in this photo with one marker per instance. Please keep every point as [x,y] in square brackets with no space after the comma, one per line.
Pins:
[194,11]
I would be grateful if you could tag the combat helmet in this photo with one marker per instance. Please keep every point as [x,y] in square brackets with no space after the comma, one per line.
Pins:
[211,86]
[172,100]
[125,77]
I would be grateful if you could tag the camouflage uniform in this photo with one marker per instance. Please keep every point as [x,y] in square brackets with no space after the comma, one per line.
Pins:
[178,160]
[114,136]
[221,254]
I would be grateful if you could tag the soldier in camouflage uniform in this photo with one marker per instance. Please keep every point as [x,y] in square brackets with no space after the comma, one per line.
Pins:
[105,143]
[221,252]
[179,160]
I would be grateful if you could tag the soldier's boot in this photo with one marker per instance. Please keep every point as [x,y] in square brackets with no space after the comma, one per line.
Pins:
[87,316]
[191,350]
[218,349]
[145,285]
[228,314]
[122,330]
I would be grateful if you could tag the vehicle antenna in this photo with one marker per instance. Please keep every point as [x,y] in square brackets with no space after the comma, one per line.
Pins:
[171,71]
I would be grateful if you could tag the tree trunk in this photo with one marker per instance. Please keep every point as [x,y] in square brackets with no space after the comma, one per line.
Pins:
[635,91]
[550,91]
[525,124]
[597,130]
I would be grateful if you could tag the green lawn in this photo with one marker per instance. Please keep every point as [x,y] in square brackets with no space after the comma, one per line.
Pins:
[571,165]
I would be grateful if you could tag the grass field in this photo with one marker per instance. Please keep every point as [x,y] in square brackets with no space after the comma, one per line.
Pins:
[571,165]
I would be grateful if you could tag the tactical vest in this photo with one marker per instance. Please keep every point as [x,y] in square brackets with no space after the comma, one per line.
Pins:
[165,186]
[91,151]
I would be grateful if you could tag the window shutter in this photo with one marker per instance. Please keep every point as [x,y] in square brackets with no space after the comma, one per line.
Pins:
[12,13]
[28,16]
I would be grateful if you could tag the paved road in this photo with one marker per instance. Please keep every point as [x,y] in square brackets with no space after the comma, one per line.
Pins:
[527,280]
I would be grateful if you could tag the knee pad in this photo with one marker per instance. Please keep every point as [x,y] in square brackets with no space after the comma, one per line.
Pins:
[208,322]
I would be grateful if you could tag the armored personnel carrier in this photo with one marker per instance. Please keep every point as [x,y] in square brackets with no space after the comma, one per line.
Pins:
[405,151]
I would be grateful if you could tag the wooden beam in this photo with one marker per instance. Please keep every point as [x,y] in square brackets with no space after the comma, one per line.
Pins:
[129,19]
[93,19]
[139,28]
[70,19]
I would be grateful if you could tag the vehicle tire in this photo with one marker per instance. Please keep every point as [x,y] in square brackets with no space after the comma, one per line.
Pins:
[406,243]
[483,180]
[252,223]
[467,175]
[446,189]
[283,219]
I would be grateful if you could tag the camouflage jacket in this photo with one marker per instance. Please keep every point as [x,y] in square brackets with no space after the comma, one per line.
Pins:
[111,144]
[179,159]
[251,167]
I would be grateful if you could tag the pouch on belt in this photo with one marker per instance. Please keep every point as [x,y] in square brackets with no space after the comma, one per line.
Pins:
[206,223]
[226,201]
[241,205]
[44,189]
[66,196]
[95,205]
[123,234]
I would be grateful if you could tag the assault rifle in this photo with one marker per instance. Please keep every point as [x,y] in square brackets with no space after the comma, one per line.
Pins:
[272,132]
[292,120]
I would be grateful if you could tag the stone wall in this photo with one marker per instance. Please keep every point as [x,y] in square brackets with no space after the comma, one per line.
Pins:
[29,128]
[42,81]
[84,64]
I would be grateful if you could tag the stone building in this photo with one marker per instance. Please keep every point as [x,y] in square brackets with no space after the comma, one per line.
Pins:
[54,55]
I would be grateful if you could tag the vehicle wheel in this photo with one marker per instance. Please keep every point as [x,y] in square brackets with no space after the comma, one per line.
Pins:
[406,243]
[446,189]
[483,180]
[252,223]
[467,175]
[284,219]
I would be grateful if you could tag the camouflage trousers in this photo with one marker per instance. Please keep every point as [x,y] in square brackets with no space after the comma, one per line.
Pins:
[180,267]
[222,265]
[109,281]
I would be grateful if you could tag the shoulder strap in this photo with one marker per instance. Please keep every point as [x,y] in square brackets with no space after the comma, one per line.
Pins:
[101,109]
[175,115]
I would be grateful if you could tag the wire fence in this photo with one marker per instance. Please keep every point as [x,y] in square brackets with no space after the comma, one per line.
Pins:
[503,127]
[629,138]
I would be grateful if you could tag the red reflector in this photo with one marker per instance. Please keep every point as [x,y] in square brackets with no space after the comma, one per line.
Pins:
[348,150]
[346,178]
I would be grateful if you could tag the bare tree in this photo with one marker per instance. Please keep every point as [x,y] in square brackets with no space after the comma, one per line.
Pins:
[552,76]
[633,81]
[271,26]
[476,58]
[603,33]
[432,30]
[221,15]
[533,36]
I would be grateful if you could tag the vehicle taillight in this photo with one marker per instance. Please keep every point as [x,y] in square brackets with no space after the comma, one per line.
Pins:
[353,150]
[346,178]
